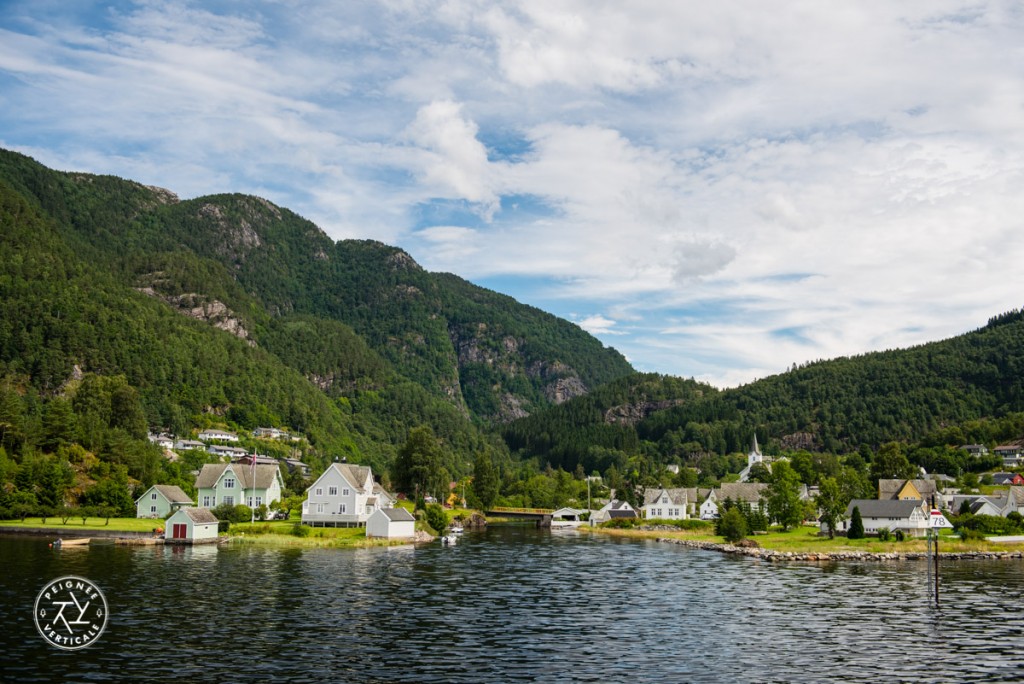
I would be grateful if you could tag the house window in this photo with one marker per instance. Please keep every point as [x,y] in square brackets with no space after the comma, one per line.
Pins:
[250,502]
[319,491]
[344,508]
[259,501]
[152,509]
[344,492]
[319,508]
[153,497]
[229,483]
[206,502]
[332,491]
[228,500]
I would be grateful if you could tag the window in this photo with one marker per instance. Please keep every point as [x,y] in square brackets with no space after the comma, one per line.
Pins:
[319,491]
[206,502]
[259,501]
[152,509]
[153,497]
[332,491]
[319,508]
[250,502]
[228,500]
[229,483]
[344,492]
[343,508]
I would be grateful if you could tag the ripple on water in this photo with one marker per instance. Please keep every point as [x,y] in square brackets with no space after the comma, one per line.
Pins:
[515,604]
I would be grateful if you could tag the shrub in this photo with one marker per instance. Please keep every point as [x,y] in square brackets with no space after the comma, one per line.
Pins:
[733,525]
[900,536]
[621,523]
[436,518]
[300,530]
[968,534]
[884,534]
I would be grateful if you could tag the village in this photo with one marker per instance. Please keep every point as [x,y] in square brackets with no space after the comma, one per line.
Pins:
[348,495]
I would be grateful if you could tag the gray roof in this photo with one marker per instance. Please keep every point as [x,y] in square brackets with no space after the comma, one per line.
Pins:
[200,515]
[883,508]
[678,496]
[750,492]
[355,474]
[888,489]
[173,493]
[211,473]
[623,513]
[398,514]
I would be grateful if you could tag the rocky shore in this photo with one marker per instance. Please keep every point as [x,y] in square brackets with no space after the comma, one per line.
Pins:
[783,556]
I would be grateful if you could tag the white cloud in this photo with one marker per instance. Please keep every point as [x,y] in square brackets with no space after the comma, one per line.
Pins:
[749,185]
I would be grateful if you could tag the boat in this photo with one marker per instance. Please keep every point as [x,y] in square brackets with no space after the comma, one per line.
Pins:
[455,529]
[449,540]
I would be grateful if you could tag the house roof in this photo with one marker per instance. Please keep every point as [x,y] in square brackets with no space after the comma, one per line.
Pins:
[200,515]
[888,489]
[212,472]
[883,508]
[173,493]
[749,492]
[621,513]
[677,496]
[397,514]
[355,474]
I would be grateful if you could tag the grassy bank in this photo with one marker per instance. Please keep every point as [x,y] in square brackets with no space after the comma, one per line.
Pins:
[92,523]
[281,533]
[806,540]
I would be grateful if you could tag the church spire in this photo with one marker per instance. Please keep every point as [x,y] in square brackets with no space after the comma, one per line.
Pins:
[753,447]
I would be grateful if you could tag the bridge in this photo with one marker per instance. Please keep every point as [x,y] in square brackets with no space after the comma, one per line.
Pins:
[541,515]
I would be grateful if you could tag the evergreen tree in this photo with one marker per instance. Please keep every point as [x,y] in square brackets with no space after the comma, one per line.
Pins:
[856,530]
[733,526]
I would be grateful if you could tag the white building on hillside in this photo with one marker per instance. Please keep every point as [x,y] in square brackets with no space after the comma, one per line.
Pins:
[343,496]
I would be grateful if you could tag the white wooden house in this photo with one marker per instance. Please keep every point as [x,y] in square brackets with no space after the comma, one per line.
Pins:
[217,435]
[236,483]
[191,526]
[911,516]
[161,500]
[666,504]
[391,523]
[343,496]
[612,510]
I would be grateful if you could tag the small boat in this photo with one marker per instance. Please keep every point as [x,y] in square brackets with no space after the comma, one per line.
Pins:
[449,540]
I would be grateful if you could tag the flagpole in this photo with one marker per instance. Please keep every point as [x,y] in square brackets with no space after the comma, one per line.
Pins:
[252,476]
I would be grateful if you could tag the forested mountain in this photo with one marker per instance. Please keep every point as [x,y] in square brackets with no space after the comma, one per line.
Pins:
[230,309]
[966,389]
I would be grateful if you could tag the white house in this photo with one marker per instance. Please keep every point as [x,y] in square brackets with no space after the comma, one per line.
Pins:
[1010,453]
[214,435]
[741,492]
[236,483]
[160,500]
[269,433]
[191,526]
[666,504]
[229,451]
[911,516]
[391,523]
[343,496]
[162,440]
[612,510]
[189,445]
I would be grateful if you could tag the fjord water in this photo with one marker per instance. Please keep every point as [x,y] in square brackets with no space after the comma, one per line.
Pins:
[513,604]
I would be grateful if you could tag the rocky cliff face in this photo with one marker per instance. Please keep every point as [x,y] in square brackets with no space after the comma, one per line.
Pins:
[202,308]
[631,414]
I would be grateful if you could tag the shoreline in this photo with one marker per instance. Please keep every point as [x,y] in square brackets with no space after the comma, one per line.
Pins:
[774,556]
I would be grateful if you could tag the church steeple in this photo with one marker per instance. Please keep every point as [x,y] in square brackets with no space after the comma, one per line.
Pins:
[753,446]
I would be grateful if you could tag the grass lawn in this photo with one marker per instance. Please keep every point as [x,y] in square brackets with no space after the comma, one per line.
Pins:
[116,524]
[279,533]
[806,540]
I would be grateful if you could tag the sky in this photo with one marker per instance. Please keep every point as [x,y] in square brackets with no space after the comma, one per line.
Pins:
[717,190]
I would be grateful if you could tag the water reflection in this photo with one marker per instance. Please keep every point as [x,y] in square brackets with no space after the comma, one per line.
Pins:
[513,604]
